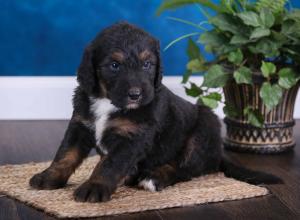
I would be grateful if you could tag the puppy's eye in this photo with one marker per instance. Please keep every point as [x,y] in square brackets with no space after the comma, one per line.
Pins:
[114,66]
[146,65]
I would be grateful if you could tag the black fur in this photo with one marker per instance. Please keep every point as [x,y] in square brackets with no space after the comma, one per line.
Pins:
[158,136]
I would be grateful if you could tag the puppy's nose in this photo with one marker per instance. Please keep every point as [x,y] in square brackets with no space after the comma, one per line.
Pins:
[134,93]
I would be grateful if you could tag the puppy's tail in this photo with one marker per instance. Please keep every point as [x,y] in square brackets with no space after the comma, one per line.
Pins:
[250,176]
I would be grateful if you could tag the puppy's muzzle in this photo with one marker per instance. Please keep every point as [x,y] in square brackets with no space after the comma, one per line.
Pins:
[134,94]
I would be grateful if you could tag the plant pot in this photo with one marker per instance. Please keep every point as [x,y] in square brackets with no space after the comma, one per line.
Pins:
[276,136]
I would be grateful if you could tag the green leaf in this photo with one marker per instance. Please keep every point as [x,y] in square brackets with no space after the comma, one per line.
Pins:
[288,27]
[193,50]
[214,95]
[291,28]
[209,48]
[211,100]
[215,77]
[188,23]
[196,66]
[225,49]
[216,43]
[293,52]
[266,17]
[228,5]
[279,37]
[250,18]
[276,6]
[267,47]
[260,32]
[204,12]
[270,95]
[239,39]
[230,111]
[294,14]
[236,57]
[254,117]
[181,38]
[243,75]
[213,38]
[186,76]
[287,78]
[172,4]
[243,4]
[228,22]
[267,69]
[194,90]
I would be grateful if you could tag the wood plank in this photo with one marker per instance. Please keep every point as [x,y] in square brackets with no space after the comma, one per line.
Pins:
[286,166]
[267,207]
[13,210]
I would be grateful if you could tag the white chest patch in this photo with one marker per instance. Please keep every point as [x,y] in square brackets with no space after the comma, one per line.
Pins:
[101,108]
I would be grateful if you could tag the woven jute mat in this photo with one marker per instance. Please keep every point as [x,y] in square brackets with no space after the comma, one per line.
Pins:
[60,203]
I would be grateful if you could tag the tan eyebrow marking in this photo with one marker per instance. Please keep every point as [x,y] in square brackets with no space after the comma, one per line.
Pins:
[145,54]
[118,56]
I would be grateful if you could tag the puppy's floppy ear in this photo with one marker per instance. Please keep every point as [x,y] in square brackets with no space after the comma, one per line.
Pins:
[86,74]
[159,68]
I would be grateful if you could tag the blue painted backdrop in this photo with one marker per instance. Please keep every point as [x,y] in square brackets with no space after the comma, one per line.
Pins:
[47,37]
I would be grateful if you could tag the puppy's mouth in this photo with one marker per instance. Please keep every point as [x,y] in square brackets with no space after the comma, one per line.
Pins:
[133,104]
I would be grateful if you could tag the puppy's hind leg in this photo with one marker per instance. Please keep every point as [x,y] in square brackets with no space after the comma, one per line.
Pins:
[192,162]
[200,155]
[163,176]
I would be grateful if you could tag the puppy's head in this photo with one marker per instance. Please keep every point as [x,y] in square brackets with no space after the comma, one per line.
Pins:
[122,64]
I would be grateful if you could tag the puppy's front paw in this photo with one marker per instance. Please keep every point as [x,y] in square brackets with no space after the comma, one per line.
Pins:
[93,192]
[46,180]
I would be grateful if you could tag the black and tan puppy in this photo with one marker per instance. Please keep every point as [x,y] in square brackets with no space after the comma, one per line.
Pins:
[147,136]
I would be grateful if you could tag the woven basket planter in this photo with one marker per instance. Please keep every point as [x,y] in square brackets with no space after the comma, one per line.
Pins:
[276,136]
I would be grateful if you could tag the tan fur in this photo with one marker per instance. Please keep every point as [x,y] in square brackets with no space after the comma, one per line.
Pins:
[103,89]
[118,56]
[71,156]
[145,55]
[164,172]
[189,149]
[79,118]
[66,166]
[123,126]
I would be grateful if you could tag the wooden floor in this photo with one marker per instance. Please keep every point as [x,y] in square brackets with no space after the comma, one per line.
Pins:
[24,141]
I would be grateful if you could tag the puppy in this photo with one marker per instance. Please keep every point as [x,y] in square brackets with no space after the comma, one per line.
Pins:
[147,136]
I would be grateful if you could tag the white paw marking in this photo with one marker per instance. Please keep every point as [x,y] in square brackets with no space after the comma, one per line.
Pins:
[147,184]
[101,108]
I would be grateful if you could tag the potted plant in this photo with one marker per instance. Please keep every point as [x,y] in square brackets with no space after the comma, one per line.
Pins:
[256,49]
